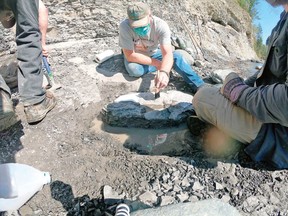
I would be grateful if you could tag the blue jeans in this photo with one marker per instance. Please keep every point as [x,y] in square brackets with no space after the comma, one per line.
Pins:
[180,66]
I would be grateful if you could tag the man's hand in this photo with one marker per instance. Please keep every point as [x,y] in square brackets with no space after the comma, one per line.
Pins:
[233,87]
[161,79]
[45,51]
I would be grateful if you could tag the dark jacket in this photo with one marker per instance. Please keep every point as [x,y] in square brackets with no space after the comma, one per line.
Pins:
[268,102]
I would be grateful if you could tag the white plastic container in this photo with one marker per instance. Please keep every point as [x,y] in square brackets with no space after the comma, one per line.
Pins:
[18,183]
[101,57]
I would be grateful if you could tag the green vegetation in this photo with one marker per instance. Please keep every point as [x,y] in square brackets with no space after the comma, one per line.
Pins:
[259,47]
[250,6]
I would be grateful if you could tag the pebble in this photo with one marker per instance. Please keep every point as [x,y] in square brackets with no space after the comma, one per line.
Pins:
[148,197]
[185,182]
[197,186]
[218,186]
[225,198]
[234,192]
[166,200]
[183,197]
[111,196]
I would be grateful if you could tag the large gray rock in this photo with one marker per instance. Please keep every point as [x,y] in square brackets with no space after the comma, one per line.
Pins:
[202,208]
[142,110]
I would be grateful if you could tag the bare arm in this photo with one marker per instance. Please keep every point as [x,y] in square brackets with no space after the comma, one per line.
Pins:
[132,56]
[167,55]
[162,80]
[166,64]
[43,25]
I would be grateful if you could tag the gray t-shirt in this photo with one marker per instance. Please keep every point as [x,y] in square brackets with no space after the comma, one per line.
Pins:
[159,34]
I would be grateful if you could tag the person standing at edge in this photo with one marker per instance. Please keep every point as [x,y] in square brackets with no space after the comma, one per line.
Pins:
[256,114]
[37,103]
[140,36]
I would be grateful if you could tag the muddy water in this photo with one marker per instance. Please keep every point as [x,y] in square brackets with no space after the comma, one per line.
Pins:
[170,141]
[175,141]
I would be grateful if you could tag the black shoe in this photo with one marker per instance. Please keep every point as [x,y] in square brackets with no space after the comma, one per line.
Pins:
[195,125]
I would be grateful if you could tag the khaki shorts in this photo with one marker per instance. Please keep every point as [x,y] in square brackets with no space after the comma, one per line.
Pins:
[215,109]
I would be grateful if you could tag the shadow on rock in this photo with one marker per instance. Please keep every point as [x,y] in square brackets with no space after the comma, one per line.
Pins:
[10,143]
[115,65]
[84,205]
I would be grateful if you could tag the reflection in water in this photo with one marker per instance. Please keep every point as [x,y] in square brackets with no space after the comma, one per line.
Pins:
[158,143]
[177,141]
[169,141]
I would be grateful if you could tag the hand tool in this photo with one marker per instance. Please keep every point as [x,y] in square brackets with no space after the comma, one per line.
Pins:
[157,90]
[49,76]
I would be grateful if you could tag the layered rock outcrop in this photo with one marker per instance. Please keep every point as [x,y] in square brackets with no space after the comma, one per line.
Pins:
[219,27]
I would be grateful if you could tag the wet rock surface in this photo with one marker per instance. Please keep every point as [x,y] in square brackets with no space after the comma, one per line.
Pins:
[206,207]
[143,168]
[144,111]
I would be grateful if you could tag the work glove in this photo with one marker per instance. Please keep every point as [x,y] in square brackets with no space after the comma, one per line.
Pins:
[233,87]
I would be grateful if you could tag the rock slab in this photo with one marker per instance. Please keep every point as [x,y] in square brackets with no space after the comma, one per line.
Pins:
[202,208]
[142,110]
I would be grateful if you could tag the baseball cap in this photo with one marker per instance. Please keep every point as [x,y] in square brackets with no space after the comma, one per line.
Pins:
[138,14]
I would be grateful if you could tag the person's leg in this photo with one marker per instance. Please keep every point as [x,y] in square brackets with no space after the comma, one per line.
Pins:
[28,39]
[36,102]
[7,114]
[184,69]
[214,108]
[137,70]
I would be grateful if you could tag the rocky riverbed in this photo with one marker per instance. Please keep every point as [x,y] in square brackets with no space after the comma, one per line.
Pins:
[95,166]
[86,156]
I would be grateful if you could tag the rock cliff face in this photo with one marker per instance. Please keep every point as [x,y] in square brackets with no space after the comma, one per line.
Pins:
[219,27]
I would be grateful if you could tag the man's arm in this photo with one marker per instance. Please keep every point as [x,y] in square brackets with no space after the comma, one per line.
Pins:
[269,104]
[162,80]
[43,25]
[132,56]
[167,57]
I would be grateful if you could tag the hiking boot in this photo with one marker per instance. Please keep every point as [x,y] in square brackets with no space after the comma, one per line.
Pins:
[195,125]
[37,112]
[7,114]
